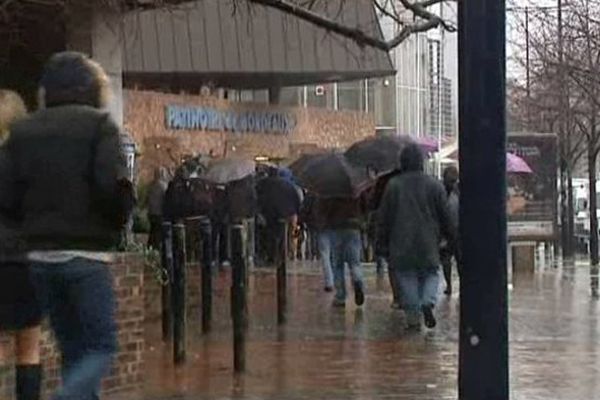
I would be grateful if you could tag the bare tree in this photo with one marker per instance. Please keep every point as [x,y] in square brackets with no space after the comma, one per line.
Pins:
[547,100]
[567,85]
[411,16]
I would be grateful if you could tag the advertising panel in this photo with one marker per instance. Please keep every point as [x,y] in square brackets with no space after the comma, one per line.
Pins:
[532,196]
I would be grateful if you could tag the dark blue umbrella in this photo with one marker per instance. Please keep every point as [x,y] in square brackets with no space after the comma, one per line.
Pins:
[332,176]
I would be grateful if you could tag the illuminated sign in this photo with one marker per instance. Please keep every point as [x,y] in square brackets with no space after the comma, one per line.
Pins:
[211,119]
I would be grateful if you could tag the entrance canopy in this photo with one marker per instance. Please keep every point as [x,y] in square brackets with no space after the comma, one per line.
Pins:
[209,42]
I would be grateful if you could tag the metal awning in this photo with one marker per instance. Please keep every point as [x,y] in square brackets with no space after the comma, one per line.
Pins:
[208,42]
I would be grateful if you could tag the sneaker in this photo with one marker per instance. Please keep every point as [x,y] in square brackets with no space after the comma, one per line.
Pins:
[339,303]
[328,289]
[359,294]
[448,291]
[428,317]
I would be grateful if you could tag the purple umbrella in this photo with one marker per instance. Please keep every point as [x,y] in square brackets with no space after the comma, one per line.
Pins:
[428,144]
[516,165]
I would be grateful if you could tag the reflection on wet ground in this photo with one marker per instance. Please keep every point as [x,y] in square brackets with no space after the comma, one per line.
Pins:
[326,353]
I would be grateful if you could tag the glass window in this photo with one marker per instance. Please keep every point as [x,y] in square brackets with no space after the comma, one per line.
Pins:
[261,96]
[382,101]
[370,88]
[291,96]
[351,95]
[246,95]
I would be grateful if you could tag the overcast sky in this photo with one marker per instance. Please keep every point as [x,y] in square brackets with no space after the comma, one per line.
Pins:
[513,36]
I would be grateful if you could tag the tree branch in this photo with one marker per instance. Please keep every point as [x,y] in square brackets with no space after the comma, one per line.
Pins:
[431,21]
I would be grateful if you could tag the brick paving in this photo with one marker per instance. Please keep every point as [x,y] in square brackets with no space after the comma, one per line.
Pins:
[325,353]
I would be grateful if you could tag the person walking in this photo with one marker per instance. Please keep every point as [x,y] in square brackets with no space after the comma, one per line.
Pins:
[19,309]
[310,224]
[325,240]
[279,205]
[375,204]
[156,200]
[414,217]
[342,231]
[73,196]
[449,250]
[294,230]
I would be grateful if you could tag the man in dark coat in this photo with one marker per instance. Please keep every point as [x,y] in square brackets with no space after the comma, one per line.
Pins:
[279,202]
[448,249]
[414,217]
[72,197]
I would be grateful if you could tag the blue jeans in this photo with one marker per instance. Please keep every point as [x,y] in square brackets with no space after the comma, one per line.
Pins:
[78,296]
[419,287]
[325,240]
[347,248]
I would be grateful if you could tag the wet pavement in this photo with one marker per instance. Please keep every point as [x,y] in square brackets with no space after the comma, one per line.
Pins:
[365,354]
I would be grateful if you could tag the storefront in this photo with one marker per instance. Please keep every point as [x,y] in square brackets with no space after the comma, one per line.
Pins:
[167,127]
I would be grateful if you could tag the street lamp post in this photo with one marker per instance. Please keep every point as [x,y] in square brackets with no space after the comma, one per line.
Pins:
[483,359]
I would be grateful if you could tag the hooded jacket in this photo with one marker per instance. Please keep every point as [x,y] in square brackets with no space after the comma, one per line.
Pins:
[66,181]
[413,216]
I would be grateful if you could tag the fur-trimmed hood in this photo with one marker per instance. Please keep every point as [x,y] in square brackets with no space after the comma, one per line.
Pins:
[73,78]
[12,108]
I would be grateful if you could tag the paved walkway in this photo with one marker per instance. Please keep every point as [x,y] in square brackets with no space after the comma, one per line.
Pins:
[326,353]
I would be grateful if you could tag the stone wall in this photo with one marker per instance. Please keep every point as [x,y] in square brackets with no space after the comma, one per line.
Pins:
[126,374]
[315,129]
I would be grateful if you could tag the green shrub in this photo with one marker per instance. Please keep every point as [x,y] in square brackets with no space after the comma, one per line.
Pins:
[141,224]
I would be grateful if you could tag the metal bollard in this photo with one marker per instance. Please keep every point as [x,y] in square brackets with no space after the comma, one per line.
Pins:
[167,264]
[282,260]
[179,294]
[207,278]
[239,310]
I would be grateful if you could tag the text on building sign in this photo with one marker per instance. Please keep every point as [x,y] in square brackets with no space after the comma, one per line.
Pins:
[211,119]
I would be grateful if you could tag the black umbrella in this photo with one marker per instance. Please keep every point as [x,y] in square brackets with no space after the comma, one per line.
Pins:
[277,198]
[379,153]
[299,164]
[331,176]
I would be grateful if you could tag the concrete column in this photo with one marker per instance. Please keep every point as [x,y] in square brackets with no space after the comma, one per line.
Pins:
[98,34]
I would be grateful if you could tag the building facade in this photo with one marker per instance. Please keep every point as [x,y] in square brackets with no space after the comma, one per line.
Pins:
[420,100]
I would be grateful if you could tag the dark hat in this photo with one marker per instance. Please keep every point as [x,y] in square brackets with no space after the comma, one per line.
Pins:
[73,78]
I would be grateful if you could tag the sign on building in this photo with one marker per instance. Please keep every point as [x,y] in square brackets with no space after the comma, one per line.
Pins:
[212,119]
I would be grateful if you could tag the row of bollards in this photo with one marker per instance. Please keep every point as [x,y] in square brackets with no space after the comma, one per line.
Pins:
[173,296]
[239,309]
[282,257]
[178,295]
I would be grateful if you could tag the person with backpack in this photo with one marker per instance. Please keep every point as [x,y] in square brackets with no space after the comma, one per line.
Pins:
[72,196]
